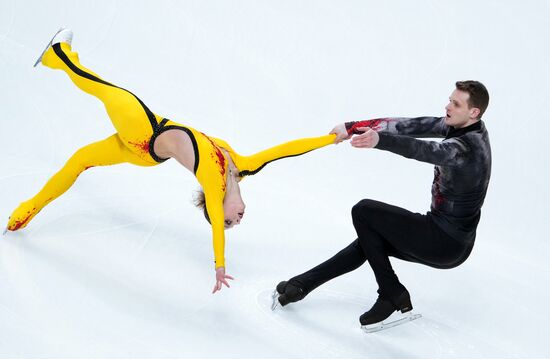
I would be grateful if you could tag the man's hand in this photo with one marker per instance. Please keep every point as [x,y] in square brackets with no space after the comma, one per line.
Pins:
[340,132]
[221,278]
[368,139]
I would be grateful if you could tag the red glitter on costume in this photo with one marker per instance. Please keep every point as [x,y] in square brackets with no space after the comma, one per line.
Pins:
[87,167]
[376,125]
[221,158]
[142,146]
[19,224]
[439,199]
[221,161]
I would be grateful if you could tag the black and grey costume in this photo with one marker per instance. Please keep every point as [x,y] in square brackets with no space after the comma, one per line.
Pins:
[444,236]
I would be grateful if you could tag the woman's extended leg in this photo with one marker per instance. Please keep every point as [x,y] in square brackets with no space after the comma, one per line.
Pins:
[133,121]
[102,153]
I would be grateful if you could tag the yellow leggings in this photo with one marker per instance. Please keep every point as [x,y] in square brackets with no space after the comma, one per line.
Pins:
[133,121]
[136,129]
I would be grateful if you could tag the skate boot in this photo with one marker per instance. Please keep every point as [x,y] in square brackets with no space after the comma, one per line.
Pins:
[374,319]
[286,293]
[383,308]
[22,216]
[62,35]
[281,287]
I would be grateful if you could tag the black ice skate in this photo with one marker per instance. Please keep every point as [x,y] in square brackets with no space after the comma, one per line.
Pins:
[376,318]
[286,293]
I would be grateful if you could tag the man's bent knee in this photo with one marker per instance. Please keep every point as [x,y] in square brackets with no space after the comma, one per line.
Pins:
[362,209]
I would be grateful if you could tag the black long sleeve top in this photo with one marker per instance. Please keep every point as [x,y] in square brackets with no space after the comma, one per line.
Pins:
[462,165]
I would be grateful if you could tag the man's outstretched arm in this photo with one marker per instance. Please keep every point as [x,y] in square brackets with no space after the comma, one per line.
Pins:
[418,127]
[451,152]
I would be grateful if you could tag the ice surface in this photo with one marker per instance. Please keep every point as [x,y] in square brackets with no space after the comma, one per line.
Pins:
[121,265]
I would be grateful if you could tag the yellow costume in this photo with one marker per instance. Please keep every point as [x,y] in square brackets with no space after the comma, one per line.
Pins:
[137,128]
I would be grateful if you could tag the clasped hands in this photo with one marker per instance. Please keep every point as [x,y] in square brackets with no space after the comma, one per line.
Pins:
[368,139]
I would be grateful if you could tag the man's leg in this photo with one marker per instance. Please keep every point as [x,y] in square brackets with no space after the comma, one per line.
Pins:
[347,260]
[386,230]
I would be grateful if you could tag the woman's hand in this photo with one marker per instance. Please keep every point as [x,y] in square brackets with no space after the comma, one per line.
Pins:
[221,278]
[340,132]
[368,139]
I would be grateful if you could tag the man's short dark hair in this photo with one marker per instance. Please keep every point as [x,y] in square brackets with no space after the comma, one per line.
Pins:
[479,96]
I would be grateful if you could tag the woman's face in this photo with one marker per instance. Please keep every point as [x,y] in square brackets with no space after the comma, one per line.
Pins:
[233,209]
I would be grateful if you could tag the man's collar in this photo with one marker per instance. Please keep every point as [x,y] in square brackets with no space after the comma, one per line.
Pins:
[455,132]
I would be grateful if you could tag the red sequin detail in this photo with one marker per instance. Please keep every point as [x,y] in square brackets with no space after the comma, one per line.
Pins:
[19,224]
[142,146]
[220,159]
[439,199]
[374,124]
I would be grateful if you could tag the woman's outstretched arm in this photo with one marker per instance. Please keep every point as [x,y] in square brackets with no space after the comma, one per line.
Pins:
[250,165]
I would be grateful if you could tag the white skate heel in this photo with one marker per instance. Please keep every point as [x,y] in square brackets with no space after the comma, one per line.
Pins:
[62,35]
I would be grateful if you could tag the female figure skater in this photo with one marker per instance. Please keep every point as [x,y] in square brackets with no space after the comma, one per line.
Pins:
[144,138]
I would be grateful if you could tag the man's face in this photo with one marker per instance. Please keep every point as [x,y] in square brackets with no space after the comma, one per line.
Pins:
[458,112]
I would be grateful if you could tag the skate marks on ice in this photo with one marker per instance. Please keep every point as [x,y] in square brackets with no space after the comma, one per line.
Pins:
[318,336]
[329,322]
[138,299]
[393,321]
[331,318]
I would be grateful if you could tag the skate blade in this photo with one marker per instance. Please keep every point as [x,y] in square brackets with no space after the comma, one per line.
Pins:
[47,47]
[5,231]
[376,327]
[275,300]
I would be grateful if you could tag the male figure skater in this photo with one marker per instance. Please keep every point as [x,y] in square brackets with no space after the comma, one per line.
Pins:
[441,238]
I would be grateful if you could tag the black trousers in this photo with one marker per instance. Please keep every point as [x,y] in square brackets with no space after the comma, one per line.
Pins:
[384,230]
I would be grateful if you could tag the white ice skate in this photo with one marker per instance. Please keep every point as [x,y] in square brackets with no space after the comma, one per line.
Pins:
[62,35]
[390,322]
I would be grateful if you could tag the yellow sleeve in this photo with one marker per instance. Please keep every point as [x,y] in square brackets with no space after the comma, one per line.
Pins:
[214,206]
[250,165]
[211,175]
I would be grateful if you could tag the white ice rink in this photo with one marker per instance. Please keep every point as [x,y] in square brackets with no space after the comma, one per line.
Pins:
[121,266]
